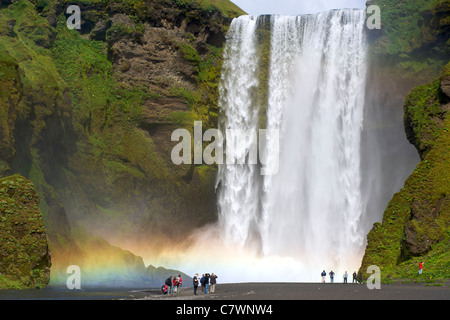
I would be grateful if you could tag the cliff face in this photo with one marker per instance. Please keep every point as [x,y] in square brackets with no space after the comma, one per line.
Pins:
[426,109]
[87,115]
[413,37]
[409,50]
[415,225]
[24,255]
[406,54]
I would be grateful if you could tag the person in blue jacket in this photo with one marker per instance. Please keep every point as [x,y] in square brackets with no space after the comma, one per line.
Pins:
[331,276]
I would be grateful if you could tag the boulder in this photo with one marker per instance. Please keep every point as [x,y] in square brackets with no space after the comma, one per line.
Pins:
[24,254]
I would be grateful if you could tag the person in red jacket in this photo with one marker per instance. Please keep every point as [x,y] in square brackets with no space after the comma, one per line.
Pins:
[164,289]
[179,283]
[175,284]
[420,267]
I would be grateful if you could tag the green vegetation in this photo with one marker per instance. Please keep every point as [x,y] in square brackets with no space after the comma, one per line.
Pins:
[189,53]
[204,100]
[9,95]
[415,225]
[93,141]
[410,50]
[23,243]
[227,7]
[423,116]
[409,24]
[415,35]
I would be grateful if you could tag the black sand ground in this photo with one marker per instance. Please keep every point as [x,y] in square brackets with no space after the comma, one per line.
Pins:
[309,291]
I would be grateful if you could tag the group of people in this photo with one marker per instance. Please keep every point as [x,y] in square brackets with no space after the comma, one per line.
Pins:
[207,283]
[172,285]
[356,277]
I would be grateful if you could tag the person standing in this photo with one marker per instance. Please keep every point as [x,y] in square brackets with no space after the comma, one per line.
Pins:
[324,275]
[212,281]
[202,282]
[195,283]
[175,285]
[179,283]
[331,276]
[207,275]
[420,267]
[354,277]
[169,285]
[345,277]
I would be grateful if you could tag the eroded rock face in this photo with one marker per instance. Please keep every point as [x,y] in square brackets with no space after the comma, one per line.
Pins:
[94,135]
[445,82]
[25,259]
[422,231]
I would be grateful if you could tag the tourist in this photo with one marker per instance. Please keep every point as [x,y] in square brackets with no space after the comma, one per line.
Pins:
[345,277]
[169,285]
[212,281]
[202,282]
[331,276]
[324,275]
[175,285]
[195,282]
[206,282]
[420,267]
[179,283]
[164,289]
[354,277]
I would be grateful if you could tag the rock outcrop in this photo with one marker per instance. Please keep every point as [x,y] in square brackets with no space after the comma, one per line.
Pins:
[25,258]
[416,223]
[426,109]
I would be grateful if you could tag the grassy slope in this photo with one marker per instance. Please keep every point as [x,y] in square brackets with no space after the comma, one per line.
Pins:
[228,7]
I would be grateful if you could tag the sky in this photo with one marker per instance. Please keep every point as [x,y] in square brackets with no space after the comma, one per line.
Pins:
[294,7]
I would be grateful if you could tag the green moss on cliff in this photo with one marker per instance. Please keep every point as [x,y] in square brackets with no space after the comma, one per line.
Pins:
[415,225]
[414,36]
[71,123]
[24,256]
[424,116]
[10,94]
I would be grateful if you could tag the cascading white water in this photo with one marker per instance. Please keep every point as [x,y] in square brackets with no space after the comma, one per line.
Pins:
[239,81]
[310,210]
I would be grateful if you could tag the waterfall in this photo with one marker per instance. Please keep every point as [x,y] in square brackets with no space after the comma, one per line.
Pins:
[310,210]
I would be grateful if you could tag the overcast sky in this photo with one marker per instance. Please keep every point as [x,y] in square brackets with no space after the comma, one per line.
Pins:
[294,7]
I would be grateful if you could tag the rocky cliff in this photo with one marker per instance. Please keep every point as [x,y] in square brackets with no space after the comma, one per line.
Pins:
[25,258]
[407,56]
[416,223]
[87,115]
